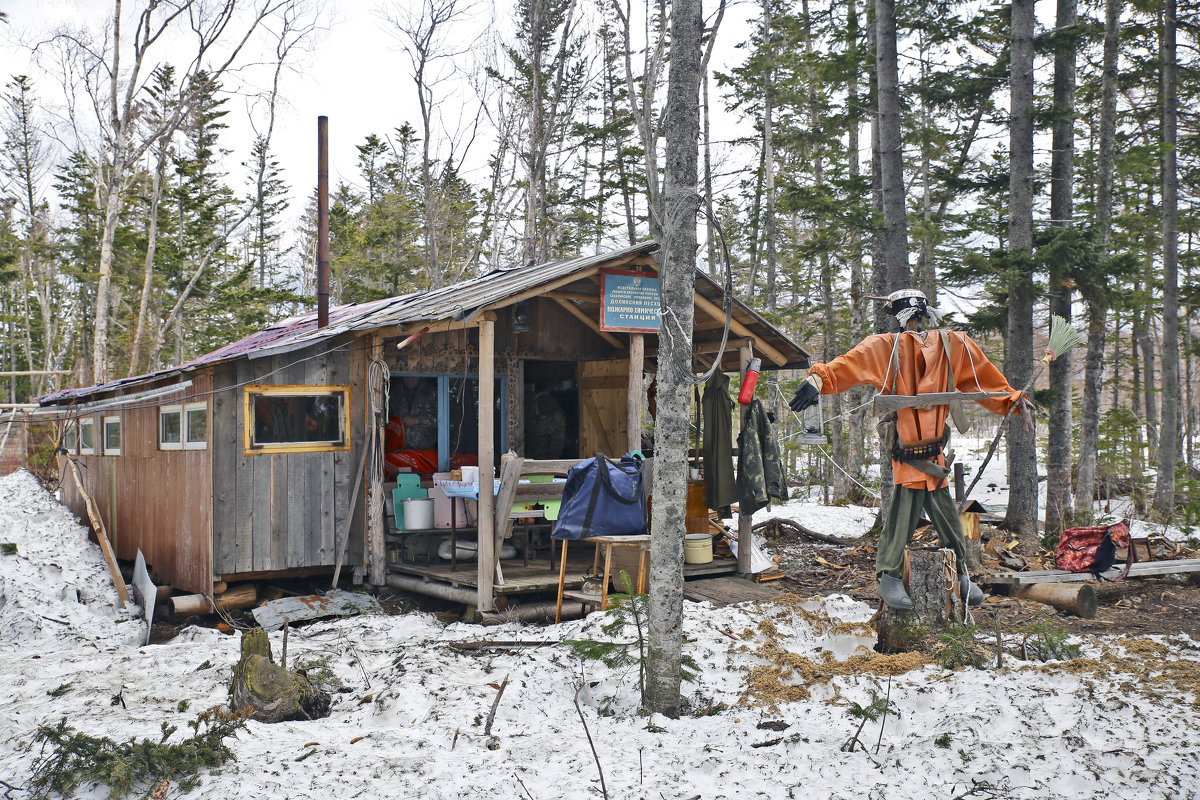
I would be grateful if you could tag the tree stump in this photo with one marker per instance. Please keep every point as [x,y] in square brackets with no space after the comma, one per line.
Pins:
[935,607]
[273,693]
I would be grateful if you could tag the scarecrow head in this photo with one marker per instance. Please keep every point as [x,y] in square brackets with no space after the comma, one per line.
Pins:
[907,305]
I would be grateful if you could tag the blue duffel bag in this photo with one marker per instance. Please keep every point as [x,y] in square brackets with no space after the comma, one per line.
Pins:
[602,497]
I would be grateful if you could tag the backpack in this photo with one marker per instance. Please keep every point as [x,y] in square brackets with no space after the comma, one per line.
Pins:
[1094,549]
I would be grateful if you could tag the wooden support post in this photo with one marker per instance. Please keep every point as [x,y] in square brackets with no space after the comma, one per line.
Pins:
[745,523]
[485,571]
[935,607]
[101,536]
[377,560]
[637,392]
[514,419]
[1076,598]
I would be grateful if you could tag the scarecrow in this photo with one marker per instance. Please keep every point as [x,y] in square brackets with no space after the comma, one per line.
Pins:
[923,377]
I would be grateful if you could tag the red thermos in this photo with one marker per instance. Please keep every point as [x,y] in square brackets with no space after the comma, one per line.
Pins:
[748,382]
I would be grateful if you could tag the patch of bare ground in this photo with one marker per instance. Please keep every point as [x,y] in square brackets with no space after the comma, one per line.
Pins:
[1154,606]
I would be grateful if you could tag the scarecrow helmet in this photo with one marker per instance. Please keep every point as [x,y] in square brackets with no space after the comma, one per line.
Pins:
[909,304]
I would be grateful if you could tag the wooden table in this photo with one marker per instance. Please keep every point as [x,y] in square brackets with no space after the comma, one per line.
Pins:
[642,542]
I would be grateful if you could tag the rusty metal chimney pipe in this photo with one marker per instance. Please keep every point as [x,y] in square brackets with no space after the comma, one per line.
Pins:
[322,221]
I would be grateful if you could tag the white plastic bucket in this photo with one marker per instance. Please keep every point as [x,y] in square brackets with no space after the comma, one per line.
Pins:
[418,515]
[697,548]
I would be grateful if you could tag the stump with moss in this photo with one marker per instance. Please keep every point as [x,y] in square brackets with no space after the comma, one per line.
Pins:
[272,692]
[936,597]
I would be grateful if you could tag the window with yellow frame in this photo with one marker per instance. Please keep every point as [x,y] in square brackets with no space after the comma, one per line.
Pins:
[296,419]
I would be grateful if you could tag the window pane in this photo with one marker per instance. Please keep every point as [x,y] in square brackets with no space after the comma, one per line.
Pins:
[297,419]
[86,440]
[112,435]
[69,438]
[197,425]
[169,428]
[414,401]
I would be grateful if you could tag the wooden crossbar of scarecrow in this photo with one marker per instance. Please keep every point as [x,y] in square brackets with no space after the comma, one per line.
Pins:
[923,378]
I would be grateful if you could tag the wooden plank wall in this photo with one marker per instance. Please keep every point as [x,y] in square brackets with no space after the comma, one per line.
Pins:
[285,511]
[154,500]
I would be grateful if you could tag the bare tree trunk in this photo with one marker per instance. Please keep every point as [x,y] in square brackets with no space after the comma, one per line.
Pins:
[1168,445]
[855,443]
[891,155]
[769,146]
[156,188]
[924,276]
[1018,358]
[1144,341]
[710,238]
[1089,434]
[663,673]
[641,104]
[1062,209]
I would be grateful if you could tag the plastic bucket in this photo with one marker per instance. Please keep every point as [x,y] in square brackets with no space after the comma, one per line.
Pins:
[418,515]
[697,548]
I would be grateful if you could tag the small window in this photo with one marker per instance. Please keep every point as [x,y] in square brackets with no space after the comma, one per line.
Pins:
[195,418]
[170,428]
[70,437]
[283,419]
[112,436]
[87,439]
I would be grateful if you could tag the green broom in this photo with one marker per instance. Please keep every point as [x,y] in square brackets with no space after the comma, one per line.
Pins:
[1063,339]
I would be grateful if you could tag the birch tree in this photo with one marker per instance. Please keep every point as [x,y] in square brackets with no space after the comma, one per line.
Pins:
[108,69]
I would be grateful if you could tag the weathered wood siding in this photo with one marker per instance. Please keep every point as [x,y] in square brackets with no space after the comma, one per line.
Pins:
[274,512]
[158,501]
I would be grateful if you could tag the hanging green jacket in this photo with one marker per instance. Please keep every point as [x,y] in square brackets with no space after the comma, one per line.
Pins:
[717,408]
[760,478]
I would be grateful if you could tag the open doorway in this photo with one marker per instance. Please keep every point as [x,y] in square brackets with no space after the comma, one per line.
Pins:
[551,410]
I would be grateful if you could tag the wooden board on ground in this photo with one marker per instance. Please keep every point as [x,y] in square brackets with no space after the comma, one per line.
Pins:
[726,591]
[1141,569]
[335,603]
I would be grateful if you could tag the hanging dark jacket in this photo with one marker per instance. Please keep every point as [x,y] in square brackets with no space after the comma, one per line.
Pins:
[760,478]
[717,449]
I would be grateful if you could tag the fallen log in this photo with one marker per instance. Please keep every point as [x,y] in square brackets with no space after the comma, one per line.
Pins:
[774,526]
[1076,598]
[191,605]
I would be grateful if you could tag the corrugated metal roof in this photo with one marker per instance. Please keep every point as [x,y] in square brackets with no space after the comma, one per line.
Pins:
[457,301]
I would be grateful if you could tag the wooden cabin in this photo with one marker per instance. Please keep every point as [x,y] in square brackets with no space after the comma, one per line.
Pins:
[243,464]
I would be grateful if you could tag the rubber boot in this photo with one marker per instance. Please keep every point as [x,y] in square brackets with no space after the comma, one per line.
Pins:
[972,594]
[893,594]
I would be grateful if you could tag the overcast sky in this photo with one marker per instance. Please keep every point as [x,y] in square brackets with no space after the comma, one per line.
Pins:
[355,72]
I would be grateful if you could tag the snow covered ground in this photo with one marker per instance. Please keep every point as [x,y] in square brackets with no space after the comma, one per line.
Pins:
[408,718]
